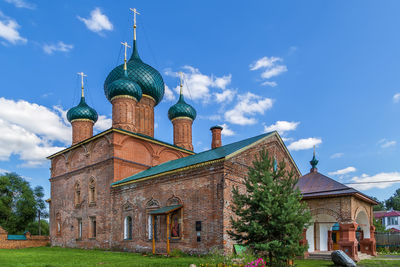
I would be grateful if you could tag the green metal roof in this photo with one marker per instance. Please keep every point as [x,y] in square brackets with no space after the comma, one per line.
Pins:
[165,210]
[82,111]
[16,237]
[124,86]
[147,77]
[213,154]
[181,109]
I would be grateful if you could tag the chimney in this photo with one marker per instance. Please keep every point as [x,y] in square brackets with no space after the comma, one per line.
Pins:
[216,136]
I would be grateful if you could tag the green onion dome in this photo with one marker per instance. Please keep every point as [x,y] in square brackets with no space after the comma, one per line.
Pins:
[82,112]
[124,86]
[181,109]
[148,78]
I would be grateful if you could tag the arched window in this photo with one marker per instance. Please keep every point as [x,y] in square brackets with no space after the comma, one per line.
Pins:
[77,198]
[128,228]
[92,191]
[58,223]
[152,204]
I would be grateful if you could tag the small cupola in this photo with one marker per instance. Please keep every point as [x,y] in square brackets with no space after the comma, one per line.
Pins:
[82,118]
[314,163]
[182,116]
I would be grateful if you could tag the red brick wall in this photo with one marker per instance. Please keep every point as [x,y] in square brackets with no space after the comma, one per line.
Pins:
[32,241]
[81,130]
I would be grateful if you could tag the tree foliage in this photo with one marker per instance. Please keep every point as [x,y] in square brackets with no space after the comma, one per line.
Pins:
[394,201]
[270,217]
[380,206]
[19,204]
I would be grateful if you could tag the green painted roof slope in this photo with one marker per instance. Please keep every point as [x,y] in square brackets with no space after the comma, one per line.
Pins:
[213,154]
[165,210]
[16,237]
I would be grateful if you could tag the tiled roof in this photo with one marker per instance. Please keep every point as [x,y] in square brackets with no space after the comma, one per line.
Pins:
[380,214]
[209,155]
[315,184]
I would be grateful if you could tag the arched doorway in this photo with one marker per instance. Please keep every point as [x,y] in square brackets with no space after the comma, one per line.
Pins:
[319,233]
[363,230]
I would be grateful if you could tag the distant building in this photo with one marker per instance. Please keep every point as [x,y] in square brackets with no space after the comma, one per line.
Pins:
[389,219]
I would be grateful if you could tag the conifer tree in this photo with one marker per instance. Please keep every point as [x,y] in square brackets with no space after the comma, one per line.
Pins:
[270,216]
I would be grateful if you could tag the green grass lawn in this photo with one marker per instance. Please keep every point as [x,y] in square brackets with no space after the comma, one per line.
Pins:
[46,256]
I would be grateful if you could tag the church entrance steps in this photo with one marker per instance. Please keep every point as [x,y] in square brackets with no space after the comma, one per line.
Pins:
[320,255]
[364,256]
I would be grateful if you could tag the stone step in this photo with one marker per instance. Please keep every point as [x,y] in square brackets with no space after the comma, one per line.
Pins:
[320,256]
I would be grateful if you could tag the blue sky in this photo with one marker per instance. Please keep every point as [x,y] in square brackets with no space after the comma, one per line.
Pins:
[322,73]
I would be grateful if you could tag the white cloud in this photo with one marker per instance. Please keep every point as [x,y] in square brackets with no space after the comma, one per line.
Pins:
[303,144]
[384,143]
[264,62]
[103,123]
[268,83]
[9,30]
[225,96]
[222,82]
[287,139]
[169,95]
[271,67]
[198,86]
[343,171]
[282,126]
[33,132]
[98,22]
[272,72]
[337,155]
[248,105]
[379,180]
[58,47]
[21,4]
[396,98]
[226,131]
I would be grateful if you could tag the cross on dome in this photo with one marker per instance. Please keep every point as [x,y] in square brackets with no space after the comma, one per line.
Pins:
[134,10]
[82,75]
[126,46]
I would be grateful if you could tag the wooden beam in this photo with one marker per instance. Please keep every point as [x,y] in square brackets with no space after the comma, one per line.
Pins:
[168,233]
[152,234]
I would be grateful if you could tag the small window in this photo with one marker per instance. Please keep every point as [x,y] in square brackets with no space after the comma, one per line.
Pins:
[92,191]
[128,228]
[77,198]
[58,224]
[92,227]
[150,227]
[79,228]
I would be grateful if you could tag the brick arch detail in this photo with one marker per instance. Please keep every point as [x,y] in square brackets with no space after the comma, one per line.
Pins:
[174,200]
[145,144]
[358,210]
[330,212]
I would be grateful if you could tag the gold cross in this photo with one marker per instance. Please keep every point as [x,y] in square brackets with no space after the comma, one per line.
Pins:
[126,47]
[82,75]
[181,84]
[134,21]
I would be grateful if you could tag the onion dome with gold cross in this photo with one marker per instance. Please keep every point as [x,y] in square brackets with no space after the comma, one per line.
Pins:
[82,111]
[181,109]
[148,78]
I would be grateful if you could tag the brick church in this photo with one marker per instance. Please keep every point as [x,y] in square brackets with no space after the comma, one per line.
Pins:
[123,189]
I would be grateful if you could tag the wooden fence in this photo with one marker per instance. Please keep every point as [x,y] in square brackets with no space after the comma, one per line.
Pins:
[387,239]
